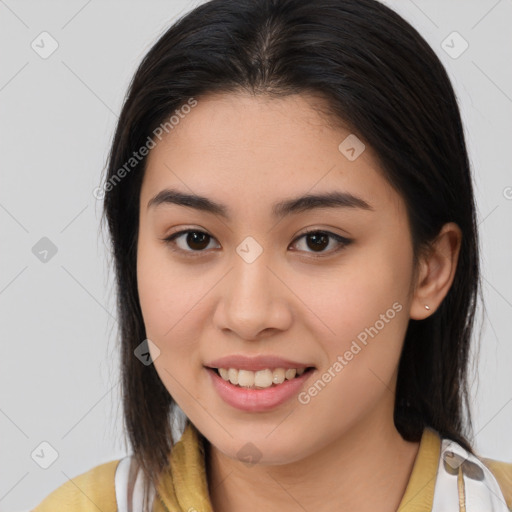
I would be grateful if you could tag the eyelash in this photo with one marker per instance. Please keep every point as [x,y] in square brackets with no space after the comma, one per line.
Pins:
[344,242]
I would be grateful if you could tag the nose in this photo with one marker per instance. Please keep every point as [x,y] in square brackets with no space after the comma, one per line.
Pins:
[254,300]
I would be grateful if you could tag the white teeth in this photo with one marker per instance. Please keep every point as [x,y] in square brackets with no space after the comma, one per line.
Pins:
[260,378]
[263,378]
[278,376]
[290,374]
[245,378]
[233,376]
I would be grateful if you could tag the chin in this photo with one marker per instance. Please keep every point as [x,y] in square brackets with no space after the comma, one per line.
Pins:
[262,449]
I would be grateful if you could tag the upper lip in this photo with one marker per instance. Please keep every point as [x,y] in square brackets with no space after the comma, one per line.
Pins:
[255,363]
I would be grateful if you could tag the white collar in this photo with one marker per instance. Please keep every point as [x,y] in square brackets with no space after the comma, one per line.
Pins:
[464,483]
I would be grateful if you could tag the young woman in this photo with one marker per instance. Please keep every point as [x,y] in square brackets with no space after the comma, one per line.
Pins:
[294,235]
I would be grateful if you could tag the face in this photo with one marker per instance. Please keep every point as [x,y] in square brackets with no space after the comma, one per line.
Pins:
[248,283]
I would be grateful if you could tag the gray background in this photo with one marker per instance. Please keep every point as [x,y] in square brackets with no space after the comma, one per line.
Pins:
[58,365]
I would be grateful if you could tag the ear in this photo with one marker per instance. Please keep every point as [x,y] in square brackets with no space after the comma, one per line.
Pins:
[437,269]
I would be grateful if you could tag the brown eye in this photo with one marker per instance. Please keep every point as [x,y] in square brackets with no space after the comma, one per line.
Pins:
[317,241]
[191,241]
[194,242]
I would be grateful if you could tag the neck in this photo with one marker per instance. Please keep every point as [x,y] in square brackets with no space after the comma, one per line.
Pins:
[366,469]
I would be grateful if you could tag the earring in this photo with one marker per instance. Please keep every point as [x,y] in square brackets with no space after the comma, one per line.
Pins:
[427,307]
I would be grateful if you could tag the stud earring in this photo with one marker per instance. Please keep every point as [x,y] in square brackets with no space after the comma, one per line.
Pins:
[427,307]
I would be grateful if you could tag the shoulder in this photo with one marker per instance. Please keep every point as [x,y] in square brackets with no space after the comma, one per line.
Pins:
[502,471]
[90,491]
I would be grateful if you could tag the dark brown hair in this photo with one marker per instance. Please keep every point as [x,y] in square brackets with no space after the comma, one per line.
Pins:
[378,76]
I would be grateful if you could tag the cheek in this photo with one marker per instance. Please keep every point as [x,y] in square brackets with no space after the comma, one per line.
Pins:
[365,320]
[361,310]
[159,303]
[168,299]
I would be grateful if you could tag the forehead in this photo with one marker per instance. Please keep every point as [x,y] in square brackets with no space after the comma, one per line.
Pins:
[259,124]
[256,148]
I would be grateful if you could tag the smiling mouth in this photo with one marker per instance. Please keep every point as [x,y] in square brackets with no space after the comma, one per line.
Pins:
[261,379]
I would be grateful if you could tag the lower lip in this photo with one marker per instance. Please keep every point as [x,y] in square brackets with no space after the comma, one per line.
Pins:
[257,400]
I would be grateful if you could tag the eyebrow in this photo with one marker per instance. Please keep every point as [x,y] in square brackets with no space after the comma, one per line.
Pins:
[334,199]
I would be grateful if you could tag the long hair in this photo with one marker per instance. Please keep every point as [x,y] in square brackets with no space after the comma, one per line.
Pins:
[379,77]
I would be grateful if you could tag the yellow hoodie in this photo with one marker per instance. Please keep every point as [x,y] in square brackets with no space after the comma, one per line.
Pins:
[184,485]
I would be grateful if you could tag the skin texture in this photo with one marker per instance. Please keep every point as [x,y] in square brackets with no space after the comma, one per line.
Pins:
[248,152]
